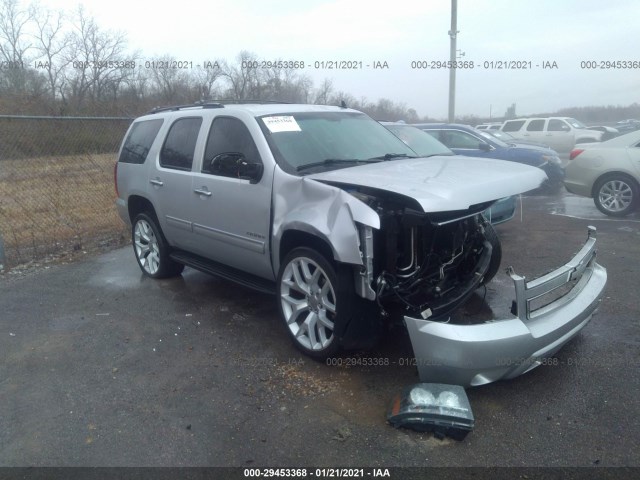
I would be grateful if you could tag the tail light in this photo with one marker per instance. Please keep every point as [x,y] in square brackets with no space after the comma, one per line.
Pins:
[115,179]
[575,152]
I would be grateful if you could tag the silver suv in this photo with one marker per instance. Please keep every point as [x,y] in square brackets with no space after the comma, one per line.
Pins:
[328,210]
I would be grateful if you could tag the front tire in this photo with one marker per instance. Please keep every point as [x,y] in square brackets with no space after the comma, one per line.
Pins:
[616,195]
[151,248]
[311,303]
[496,253]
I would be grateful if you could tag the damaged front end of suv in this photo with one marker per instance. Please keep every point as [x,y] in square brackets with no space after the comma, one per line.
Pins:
[412,235]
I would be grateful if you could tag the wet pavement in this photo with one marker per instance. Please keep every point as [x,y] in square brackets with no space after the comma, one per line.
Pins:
[100,366]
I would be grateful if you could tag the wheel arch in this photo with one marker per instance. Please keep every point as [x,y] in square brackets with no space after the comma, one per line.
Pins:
[613,173]
[137,204]
[294,238]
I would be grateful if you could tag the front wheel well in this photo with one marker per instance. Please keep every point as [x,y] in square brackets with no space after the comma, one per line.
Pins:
[296,238]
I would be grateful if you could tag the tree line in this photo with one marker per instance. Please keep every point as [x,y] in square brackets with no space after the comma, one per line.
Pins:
[64,63]
[61,63]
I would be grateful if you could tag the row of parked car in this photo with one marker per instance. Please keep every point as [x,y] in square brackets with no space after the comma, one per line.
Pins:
[561,130]
[608,172]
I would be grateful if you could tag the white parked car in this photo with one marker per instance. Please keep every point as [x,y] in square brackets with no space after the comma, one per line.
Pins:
[560,133]
[609,172]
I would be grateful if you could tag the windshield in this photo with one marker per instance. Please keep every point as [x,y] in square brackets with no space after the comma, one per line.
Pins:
[330,140]
[491,138]
[575,123]
[419,141]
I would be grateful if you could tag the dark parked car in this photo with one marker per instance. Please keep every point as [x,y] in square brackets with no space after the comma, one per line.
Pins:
[607,132]
[626,126]
[426,146]
[465,140]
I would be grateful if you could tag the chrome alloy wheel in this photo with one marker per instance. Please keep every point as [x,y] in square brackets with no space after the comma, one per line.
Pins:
[146,247]
[615,195]
[308,303]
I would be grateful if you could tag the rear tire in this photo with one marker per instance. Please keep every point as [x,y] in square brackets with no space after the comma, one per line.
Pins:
[616,195]
[151,248]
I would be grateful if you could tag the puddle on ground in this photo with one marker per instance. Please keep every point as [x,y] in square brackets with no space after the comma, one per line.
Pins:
[582,207]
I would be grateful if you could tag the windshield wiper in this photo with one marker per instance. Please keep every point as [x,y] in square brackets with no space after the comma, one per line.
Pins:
[443,154]
[391,156]
[331,161]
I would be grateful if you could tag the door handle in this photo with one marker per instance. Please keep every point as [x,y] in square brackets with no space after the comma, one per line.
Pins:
[206,193]
[156,182]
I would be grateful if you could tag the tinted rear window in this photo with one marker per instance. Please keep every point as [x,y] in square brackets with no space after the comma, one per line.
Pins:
[180,145]
[138,143]
[513,126]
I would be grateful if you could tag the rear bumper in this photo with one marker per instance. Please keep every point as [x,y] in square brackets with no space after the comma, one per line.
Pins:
[470,355]
[123,212]
[578,188]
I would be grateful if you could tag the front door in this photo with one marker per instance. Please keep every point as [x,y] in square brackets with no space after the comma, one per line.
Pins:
[231,216]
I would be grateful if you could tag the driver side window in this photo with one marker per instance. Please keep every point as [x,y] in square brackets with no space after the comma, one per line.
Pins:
[228,135]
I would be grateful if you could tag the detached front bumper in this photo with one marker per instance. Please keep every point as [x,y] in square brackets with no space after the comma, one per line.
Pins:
[471,355]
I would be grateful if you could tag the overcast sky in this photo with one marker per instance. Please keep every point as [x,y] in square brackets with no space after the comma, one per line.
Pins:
[398,32]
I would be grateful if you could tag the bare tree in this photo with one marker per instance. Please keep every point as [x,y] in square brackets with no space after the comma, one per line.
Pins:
[205,77]
[51,43]
[244,78]
[14,45]
[172,84]
[323,92]
[98,59]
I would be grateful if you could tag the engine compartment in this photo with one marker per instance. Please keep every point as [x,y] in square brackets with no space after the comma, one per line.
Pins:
[428,263]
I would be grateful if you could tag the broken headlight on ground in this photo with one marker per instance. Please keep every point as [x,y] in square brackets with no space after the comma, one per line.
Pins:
[433,407]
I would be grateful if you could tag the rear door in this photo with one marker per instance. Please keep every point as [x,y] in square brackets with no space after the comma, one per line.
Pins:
[559,135]
[231,216]
[170,180]
[534,130]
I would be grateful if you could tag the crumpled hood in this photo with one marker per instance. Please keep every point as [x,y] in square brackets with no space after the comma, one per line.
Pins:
[442,183]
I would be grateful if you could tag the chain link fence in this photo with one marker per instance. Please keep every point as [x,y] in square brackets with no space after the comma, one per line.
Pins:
[56,186]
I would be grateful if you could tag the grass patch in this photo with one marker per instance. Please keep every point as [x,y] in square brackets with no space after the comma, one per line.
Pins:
[52,204]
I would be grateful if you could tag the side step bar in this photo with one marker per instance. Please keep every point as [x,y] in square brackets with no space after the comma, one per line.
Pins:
[228,273]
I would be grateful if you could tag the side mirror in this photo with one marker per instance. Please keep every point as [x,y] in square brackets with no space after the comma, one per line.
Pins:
[235,165]
[251,171]
[485,147]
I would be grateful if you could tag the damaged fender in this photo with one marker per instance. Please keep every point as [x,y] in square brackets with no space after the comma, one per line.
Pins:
[296,202]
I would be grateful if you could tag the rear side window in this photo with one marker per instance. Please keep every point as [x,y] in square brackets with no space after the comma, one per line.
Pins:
[558,126]
[513,126]
[180,145]
[535,126]
[138,143]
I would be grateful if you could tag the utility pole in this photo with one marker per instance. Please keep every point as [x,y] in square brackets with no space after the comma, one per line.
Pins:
[452,56]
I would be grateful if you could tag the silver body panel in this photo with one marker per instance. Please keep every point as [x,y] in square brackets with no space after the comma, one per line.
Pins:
[442,184]
[471,355]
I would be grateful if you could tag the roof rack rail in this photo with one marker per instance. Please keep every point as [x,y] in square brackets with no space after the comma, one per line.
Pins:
[240,102]
[212,104]
[175,108]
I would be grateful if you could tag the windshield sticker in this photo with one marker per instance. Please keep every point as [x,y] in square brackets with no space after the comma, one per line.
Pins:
[283,123]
